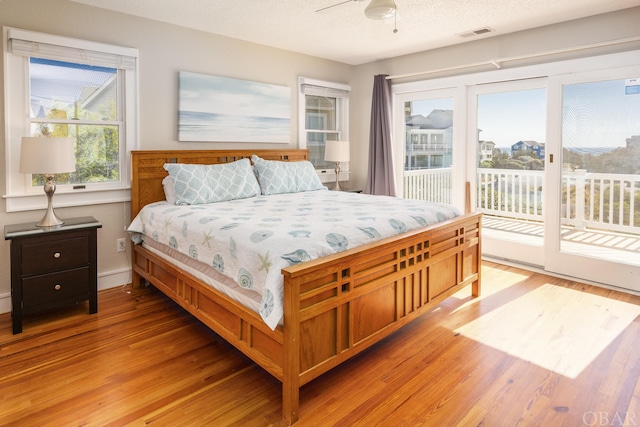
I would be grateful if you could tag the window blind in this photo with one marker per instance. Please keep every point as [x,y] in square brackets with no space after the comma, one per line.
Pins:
[38,45]
[309,89]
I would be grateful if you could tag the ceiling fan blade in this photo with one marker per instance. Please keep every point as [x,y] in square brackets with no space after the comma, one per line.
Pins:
[334,5]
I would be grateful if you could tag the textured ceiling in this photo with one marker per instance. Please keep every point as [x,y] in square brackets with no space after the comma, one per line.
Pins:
[343,33]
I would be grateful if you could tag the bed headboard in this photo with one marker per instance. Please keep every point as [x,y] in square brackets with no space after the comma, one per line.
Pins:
[147,170]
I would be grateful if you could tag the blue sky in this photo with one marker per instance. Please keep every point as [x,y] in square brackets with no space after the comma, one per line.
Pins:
[508,117]
[599,114]
[499,120]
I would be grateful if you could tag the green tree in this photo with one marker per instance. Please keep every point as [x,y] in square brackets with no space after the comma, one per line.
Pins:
[96,146]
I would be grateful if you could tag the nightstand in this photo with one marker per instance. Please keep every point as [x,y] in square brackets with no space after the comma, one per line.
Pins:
[346,187]
[52,266]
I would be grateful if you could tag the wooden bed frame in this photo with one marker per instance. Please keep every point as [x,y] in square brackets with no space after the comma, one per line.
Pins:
[334,307]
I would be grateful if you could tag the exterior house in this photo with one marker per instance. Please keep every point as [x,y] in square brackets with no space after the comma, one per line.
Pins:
[93,97]
[429,140]
[634,141]
[485,151]
[533,146]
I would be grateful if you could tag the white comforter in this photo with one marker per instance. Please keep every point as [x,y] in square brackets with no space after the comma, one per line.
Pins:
[251,240]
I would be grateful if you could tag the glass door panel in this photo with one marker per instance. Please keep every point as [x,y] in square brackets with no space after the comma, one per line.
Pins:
[428,149]
[510,161]
[599,221]
[601,170]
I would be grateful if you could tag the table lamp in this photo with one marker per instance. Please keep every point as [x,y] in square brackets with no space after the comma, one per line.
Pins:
[48,156]
[337,151]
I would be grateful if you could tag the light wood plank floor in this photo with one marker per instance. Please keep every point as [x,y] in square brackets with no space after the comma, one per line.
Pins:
[532,351]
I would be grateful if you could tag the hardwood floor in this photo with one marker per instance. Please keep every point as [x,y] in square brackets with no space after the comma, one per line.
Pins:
[533,350]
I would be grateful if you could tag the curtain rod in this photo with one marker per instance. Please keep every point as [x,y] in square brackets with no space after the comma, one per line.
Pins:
[498,62]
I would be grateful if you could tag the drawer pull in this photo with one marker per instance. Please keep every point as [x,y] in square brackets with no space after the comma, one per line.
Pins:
[57,255]
[57,287]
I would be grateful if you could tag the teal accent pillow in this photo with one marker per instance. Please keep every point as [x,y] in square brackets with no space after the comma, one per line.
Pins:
[198,184]
[286,177]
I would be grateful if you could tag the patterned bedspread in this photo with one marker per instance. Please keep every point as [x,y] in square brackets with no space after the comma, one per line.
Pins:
[251,240]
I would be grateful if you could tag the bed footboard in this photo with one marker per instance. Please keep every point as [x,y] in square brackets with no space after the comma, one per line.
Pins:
[337,306]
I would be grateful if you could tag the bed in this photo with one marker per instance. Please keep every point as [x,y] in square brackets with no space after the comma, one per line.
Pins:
[333,307]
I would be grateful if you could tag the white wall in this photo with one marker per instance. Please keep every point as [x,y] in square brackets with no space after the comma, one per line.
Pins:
[166,49]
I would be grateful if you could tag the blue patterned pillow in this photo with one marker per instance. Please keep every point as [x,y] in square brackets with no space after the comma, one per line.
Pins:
[286,177]
[197,184]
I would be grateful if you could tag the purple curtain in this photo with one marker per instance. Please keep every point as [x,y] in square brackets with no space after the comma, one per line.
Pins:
[380,177]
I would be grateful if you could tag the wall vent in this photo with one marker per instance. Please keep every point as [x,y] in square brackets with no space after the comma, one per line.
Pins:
[477,32]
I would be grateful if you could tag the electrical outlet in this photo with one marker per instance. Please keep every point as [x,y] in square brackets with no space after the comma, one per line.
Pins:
[121,245]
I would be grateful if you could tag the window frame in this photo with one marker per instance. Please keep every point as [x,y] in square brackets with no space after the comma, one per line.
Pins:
[341,92]
[20,194]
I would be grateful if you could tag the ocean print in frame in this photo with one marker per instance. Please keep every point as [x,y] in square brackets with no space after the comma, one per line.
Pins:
[222,109]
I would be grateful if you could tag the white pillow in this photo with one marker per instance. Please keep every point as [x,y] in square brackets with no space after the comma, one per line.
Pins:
[197,184]
[169,191]
[286,177]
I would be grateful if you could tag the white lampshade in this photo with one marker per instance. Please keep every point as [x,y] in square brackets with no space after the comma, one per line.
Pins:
[336,151]
[47,155]
[380,9]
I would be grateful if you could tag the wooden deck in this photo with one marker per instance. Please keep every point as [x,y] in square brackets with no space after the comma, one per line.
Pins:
[617,247]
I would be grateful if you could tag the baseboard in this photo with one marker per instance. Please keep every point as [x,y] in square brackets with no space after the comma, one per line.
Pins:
[114,278]
[108,280]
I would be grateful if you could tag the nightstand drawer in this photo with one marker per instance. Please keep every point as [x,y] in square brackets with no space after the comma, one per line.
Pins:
[55,255]
[55,287]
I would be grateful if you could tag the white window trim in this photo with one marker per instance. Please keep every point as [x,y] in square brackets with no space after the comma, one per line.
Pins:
[20,195]
[339,90]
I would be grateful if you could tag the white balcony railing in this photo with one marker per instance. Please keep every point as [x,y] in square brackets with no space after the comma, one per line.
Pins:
[602,201]
[433,185]
[510,193]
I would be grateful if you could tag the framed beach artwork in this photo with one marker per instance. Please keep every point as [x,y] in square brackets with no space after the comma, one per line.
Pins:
[222,109]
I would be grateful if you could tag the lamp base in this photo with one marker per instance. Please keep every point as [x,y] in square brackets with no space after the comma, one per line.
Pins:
[337,171]
[50,219]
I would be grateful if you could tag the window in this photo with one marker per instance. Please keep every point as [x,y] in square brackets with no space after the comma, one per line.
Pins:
[61,87]
[323,115]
